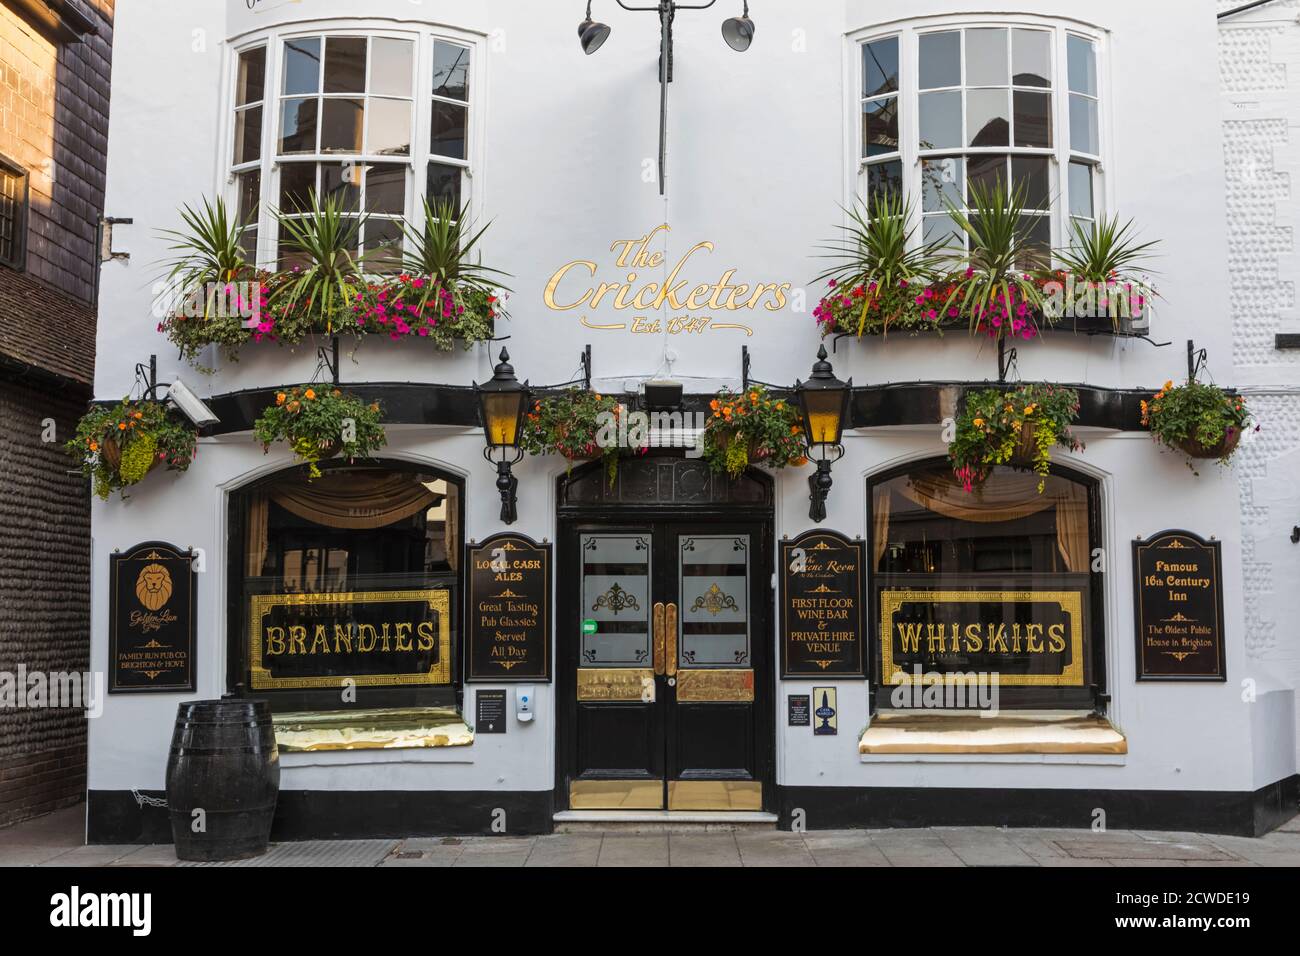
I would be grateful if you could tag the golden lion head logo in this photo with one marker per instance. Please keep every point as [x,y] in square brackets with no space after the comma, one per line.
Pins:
[154,586]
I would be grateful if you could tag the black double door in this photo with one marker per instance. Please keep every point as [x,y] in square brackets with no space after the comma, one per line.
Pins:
[665,665]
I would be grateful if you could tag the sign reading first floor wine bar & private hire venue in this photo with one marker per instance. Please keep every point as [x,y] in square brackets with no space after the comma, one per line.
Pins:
[508,614]
[1178,606]
[151,618]
[822,621]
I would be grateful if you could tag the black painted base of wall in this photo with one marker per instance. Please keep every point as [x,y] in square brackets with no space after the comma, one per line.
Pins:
[117,816]
[1222,812]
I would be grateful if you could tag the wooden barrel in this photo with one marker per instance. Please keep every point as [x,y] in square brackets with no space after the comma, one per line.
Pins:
[224,763]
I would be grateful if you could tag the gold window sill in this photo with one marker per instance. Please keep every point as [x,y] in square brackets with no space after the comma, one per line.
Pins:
[419,727]
[1023,733]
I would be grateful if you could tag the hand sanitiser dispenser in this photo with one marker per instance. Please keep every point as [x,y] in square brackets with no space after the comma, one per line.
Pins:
[524,698]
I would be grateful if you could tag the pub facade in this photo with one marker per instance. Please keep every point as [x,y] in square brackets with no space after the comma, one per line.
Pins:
[589,494]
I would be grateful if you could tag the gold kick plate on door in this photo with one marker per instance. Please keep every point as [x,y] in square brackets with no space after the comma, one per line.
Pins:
[715,685]
[715,795]
[616,795]
[616,683]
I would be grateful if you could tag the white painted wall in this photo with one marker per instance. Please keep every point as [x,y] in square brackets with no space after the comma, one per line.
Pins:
[757,166]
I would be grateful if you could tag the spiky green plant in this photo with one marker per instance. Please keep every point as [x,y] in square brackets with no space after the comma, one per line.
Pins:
[1104,252]
[207,256]
[876,253]
[324,235]
[442,252]
[993,275]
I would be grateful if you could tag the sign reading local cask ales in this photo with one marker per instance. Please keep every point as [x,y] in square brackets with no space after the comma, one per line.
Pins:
[822,622]
[1178,605]
[151,619]
[508,620]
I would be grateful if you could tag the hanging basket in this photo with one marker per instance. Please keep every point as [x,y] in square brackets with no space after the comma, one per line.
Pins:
[110,450]
[1027,448]
[1221,449]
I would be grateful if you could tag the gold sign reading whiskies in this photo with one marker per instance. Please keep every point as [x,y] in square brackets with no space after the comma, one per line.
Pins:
[573,286]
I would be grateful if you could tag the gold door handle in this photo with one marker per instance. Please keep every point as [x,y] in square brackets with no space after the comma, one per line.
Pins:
[657,623]
[670,625]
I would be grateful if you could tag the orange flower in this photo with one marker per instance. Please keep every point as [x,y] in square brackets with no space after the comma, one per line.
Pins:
[753,397]
[94,446]
[309,394]
[1168,385]
[121,426]
[374,407]
[279,398]
[138,415]
[979,423]
[714,404]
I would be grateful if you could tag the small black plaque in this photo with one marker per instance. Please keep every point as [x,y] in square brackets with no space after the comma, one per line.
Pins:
[799,709]
[490,712]
[151,620]
[1178,607]
[508,620]
[822,621]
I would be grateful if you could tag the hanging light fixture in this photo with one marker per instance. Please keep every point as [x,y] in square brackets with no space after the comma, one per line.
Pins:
[502,404]
[739,31]
[592,34]
[824,407]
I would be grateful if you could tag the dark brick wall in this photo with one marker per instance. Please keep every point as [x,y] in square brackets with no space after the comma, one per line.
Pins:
[54,122]
[44,594]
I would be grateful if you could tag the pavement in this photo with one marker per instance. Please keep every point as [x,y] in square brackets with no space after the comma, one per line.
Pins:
[56,840]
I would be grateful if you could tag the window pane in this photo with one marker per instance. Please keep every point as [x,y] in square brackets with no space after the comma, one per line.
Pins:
[390,66]
[383,244]
[713,581]
[1083,66]
[1033,119]
[940,60]
[1039,229]
[302,66]
[616,597]
[341,126]
[943,229]
[297,183]
[988,118]
[940,180]
[444,185]
[389,128]
[386,189]
[986,58]
[883,178]
[1083,125]
[940,119]
[1081,201]
[1032,173]
[880,67]
[248,134]
[248,190]
[450,70]
[985,172]
[880,127]
[298,126]
[1031,58]
[448,129]
[342,182]
[248,244]
[345,65]
[252,76]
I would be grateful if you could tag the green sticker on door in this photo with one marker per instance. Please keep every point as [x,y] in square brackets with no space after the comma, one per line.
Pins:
[588,627]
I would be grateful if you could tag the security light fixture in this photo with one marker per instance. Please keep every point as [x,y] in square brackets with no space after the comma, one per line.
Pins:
[190,405]
[503,402]
[824,407]
[739,31]
[591,34]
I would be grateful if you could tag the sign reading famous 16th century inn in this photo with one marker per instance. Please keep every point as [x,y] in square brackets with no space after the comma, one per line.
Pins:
[1178,605]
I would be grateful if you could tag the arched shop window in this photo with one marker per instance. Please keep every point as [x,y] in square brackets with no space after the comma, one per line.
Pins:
[942,105]
[349,580]
[990,586]
[378,119]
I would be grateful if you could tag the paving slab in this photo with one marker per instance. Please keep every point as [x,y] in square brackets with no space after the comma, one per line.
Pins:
[566,849]
[1144,850]
[64,828]
[97,855]
[634,850]
[981,846]
[498,851]
[314,853]
[844,848]
[162,854]
[703,849]
[773,849]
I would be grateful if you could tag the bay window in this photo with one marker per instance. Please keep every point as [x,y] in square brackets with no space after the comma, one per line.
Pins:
[377,120]
[945,107]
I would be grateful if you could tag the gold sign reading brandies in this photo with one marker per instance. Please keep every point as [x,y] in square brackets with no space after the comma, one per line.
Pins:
[693,308]
[370,638]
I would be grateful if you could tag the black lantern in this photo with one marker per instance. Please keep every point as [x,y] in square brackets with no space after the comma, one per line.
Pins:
[738,32]
[591,34]
[502,404]
[824,407]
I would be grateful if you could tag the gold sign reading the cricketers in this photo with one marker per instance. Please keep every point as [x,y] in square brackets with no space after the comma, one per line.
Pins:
[371,638]
[693,307]
[1016,638]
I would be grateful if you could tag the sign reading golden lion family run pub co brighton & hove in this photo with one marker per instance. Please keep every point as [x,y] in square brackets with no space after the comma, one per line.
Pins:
[370,638]
[693,308]
[151,620]
[1016,635]
[822,623]
[508,620]
[1178,606]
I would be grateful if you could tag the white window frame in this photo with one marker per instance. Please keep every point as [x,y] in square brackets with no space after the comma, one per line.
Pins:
[421,155]
[910,154]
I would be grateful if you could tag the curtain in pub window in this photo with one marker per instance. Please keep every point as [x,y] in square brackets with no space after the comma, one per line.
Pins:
[356,501]
[257,543]
[880,521]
